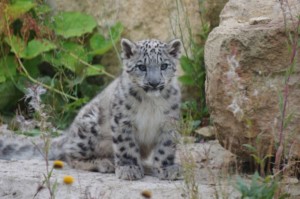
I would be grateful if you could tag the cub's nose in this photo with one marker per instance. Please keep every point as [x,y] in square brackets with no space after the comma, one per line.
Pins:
[154,84]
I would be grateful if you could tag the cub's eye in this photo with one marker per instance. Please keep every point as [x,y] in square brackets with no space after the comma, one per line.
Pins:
[164,66]
[142,67]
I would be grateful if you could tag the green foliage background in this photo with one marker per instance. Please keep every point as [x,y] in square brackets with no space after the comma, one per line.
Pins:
[59,51]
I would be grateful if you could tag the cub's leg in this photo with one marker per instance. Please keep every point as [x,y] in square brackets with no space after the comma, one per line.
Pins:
[89,146]
[127,153]
[89,154]
[163,158]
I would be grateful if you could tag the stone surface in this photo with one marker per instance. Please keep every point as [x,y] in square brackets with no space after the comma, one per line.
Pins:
[246,59]
[207,132]
[212,10]
[209,163]
[21,179]
[141,19]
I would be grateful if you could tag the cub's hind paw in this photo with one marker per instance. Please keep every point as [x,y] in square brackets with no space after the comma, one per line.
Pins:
[172,172]
[129,172]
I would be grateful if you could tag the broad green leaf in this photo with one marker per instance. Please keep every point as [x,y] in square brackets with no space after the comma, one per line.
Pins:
[100,45]
[42,9]
[186,79]
[18,8]
[17,44]
[14,11]
[33,49]
[53,58]
[8,68]
[9,95]
[73,24]
[36,47]
[94,70]
[186,65]
[71,55]
[31,66]
[2,78]
[115,32]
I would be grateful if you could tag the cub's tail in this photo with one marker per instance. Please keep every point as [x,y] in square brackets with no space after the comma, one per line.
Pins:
[13,147]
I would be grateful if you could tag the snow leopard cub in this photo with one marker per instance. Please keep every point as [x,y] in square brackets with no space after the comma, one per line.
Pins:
[132,119]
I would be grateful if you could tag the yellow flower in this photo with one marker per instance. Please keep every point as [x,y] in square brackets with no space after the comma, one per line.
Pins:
[68,179]
[58,164]
[146,194]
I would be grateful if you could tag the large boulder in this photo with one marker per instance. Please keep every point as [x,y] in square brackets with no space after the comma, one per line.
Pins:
[246,57]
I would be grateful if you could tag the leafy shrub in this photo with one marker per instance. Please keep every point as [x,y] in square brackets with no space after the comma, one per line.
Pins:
[259,188]
[57,51]
[194,107]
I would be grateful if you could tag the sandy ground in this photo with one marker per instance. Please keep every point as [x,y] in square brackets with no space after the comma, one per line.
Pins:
[21,179]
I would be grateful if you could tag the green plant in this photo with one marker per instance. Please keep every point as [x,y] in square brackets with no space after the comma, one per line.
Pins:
[33,95]
[189,165]
[293,41]
[60,52]
[259,188]
[260,160]
[192,63]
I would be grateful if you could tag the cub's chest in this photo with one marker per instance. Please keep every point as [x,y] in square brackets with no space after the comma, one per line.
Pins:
[148,117]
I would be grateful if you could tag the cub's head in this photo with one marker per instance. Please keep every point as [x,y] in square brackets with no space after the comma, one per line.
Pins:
[150,64]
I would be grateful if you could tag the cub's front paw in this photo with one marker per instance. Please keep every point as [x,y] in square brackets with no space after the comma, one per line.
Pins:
[105,166]
[129,172]
[172,172]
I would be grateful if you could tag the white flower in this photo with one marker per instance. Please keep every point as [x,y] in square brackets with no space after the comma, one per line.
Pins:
[33,94]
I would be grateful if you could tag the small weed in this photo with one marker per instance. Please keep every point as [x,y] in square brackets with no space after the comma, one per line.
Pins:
[259,188]
[189,165]
[33,95]
[285,117]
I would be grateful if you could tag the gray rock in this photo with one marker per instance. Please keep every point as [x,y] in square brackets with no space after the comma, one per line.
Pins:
[207,132]
[246,59]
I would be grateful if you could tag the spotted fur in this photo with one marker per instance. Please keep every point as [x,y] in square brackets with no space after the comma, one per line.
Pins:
[132,119]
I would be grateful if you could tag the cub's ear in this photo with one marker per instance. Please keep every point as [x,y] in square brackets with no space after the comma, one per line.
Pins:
[174,48]
[128,48]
